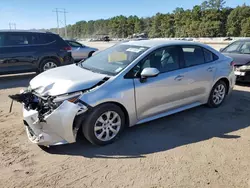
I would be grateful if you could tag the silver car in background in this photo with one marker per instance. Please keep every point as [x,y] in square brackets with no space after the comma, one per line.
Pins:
[128,84]
[80,51]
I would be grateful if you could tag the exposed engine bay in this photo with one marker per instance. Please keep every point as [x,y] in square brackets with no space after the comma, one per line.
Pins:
[50,120]
[53,119]
[30,101]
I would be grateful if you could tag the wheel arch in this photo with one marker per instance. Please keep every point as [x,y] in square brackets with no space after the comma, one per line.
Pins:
[49,57]
[90,53]
[224,79]
[127,121]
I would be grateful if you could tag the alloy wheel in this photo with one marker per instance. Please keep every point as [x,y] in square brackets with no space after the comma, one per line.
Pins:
[49,65]
[219,94]
[107,126]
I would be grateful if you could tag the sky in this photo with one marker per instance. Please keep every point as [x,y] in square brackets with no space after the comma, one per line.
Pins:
[38,14]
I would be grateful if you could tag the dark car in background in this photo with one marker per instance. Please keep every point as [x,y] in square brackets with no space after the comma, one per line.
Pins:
[29,51]
[240,52]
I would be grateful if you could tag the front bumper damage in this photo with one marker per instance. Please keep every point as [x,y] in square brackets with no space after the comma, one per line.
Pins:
[56,127]
[242,75]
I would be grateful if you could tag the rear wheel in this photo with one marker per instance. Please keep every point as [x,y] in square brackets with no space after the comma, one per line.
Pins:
[47,64]
[104,124]
[218,94]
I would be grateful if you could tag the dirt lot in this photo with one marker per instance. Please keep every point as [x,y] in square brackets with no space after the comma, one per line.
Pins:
[200,147]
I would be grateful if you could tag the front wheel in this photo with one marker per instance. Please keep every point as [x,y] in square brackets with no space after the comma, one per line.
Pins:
[217,94]
[104,124]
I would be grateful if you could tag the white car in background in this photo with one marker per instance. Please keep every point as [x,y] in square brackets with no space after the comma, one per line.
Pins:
[80,51]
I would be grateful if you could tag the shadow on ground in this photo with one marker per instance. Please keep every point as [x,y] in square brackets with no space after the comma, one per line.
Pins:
[17,80]
[177,130]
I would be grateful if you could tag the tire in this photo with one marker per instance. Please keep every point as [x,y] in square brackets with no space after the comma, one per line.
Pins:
[215,97]
[91,53]
[93,126]
[47,61]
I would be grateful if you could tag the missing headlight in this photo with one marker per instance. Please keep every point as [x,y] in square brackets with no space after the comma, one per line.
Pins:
[72,97]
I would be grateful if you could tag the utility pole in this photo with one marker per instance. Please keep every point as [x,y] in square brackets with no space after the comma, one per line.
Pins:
[12,24]
[65,24]
[57,18]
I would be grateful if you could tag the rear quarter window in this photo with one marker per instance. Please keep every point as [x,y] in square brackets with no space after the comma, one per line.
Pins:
[45,38]
[209,56]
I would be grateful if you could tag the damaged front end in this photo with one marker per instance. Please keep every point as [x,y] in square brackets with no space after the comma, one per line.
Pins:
[51,120]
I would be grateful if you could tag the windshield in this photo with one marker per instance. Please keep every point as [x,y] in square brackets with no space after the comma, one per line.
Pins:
[113,60]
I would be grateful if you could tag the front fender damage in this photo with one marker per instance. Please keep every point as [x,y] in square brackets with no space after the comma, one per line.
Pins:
[56,127]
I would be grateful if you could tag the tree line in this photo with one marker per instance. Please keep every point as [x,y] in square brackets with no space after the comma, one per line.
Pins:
[210,19]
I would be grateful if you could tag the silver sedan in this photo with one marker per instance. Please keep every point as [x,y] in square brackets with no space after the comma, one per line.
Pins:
[80,51]
[128,84]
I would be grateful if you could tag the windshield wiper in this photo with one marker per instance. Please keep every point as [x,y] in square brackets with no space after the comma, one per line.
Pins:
[96,71]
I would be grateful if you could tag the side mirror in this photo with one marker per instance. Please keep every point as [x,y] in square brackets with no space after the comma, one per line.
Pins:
[149,72]
[221,49]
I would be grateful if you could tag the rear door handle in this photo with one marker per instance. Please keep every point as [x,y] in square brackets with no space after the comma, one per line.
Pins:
[210,69]
[179,77]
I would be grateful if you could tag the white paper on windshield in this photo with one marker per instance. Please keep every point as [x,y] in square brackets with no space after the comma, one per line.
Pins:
[136,50]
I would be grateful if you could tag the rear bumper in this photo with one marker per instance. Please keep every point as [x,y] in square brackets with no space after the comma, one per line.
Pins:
[57,127]
[67,60]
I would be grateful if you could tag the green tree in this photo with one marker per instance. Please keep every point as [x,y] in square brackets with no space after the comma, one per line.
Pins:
[235,19]
[216,4]
[245,27]
[210,19]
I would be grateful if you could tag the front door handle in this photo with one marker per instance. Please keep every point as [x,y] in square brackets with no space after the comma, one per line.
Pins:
[210,69]
[179,77]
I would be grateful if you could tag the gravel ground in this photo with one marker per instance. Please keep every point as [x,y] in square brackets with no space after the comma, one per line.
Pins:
[201,147]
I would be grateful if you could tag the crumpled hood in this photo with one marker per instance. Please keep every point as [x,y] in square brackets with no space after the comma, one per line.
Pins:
[64,79]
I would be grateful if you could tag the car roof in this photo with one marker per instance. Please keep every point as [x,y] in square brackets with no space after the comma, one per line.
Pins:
[154,43]
[161,43]
[243,40]
[23,31]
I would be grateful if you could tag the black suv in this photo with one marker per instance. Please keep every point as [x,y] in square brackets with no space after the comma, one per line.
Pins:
[29,51]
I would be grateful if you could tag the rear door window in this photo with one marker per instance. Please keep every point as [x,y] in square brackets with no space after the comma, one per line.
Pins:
[17,39]
[193,55]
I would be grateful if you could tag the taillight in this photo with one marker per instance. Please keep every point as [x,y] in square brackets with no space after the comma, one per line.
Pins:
[232,64]
[67,48]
